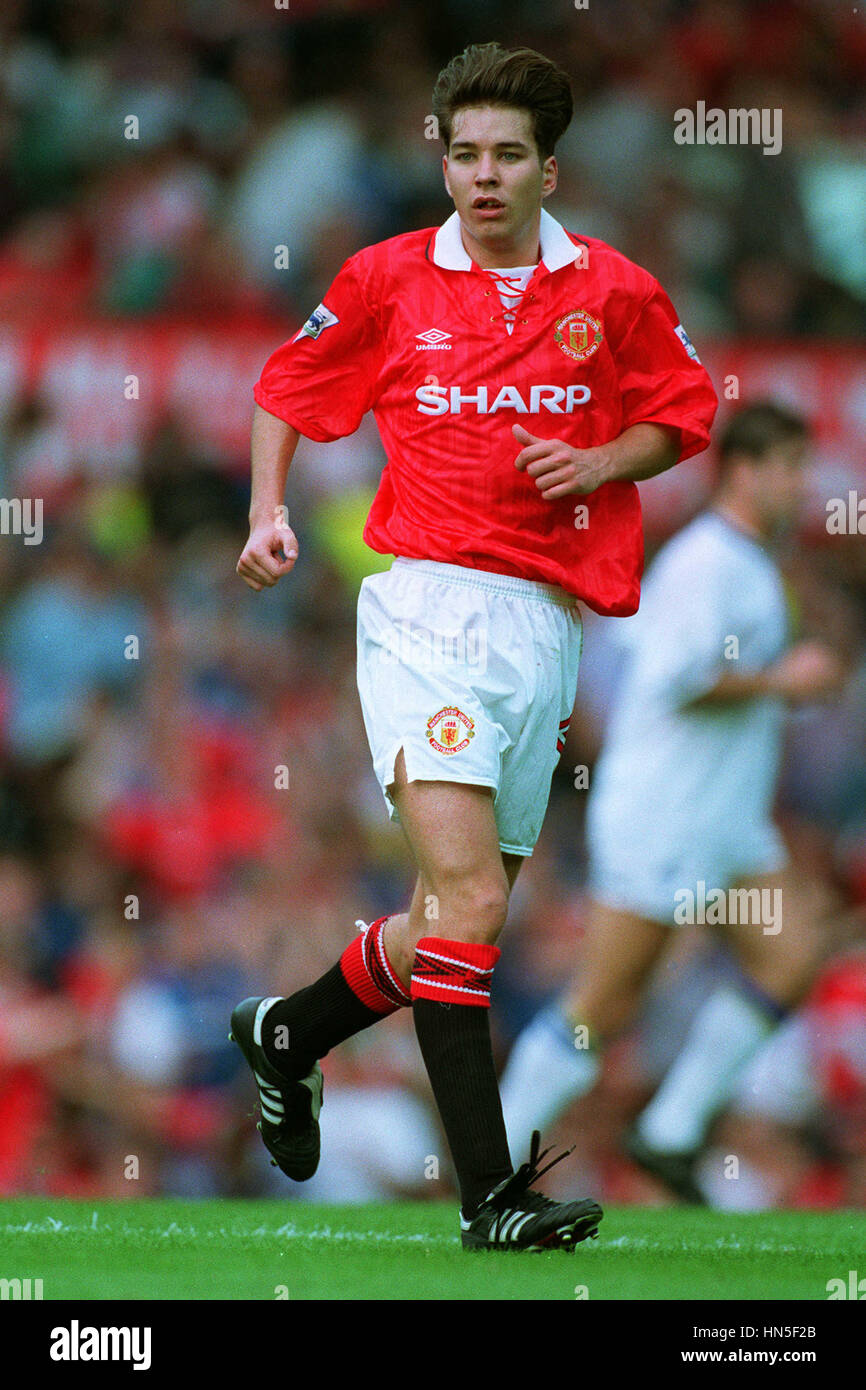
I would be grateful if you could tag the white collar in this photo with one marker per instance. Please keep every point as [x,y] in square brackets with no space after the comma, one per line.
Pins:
[557,248]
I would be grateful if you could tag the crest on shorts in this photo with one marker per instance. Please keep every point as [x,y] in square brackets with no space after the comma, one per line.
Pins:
[578,334]
[450,730]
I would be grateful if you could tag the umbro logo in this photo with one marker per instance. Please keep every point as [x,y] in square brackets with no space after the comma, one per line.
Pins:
[433,340]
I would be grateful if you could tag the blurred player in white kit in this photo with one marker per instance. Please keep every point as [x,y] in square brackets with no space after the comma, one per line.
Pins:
[679,816]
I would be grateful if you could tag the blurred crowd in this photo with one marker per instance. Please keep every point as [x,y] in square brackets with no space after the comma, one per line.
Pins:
[187,808]
[155,156]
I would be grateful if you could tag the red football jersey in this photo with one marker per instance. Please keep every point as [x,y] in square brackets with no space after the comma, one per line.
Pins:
[414,330]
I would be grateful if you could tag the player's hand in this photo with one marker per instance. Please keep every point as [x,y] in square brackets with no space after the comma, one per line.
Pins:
[808,671]
[557,468]
[270,552]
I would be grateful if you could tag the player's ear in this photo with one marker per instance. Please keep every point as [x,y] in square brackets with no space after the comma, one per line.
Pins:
[445,175]
[550,171]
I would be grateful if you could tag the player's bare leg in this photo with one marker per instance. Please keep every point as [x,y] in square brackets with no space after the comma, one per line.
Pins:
[464,880]
[556,1058]
[451,831]
[283,1038]
[403,930]
[778,956]
[781,955]
[620,952]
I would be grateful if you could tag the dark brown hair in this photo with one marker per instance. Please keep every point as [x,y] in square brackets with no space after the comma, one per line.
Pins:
[485,74]
[757,428]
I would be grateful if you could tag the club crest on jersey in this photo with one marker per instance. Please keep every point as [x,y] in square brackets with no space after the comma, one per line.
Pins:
[320,318]
[450,730]
[578,334]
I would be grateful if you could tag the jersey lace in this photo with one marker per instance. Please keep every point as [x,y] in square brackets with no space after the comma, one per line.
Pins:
[511,285]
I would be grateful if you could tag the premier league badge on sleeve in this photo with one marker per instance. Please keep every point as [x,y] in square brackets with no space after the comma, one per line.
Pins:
[686,342]
[320,318]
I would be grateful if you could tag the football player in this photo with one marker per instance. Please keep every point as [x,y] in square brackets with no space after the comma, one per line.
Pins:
[522,377]
[679,816]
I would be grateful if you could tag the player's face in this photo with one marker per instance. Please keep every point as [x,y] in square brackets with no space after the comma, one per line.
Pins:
[494,174]
[780,485]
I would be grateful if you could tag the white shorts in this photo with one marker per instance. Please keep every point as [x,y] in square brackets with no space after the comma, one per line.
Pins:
[473,675]
[640,862]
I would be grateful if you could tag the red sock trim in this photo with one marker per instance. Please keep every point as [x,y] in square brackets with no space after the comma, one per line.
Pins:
[453,972]
[381,969]
[369,974]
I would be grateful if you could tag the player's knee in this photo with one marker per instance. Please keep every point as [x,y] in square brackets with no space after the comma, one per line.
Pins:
[487,913]
[476,907]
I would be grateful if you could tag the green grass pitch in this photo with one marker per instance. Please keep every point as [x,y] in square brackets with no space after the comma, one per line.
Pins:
[168,1249]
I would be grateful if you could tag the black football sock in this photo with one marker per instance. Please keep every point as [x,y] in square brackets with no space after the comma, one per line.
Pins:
[358,991]
[451,1008]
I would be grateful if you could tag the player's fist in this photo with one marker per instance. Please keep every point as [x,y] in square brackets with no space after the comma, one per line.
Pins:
[557,468]
[270,552]
[808,671]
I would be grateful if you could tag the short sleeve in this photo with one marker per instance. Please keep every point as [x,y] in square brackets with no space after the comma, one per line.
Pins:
[325,378]
[661,379]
